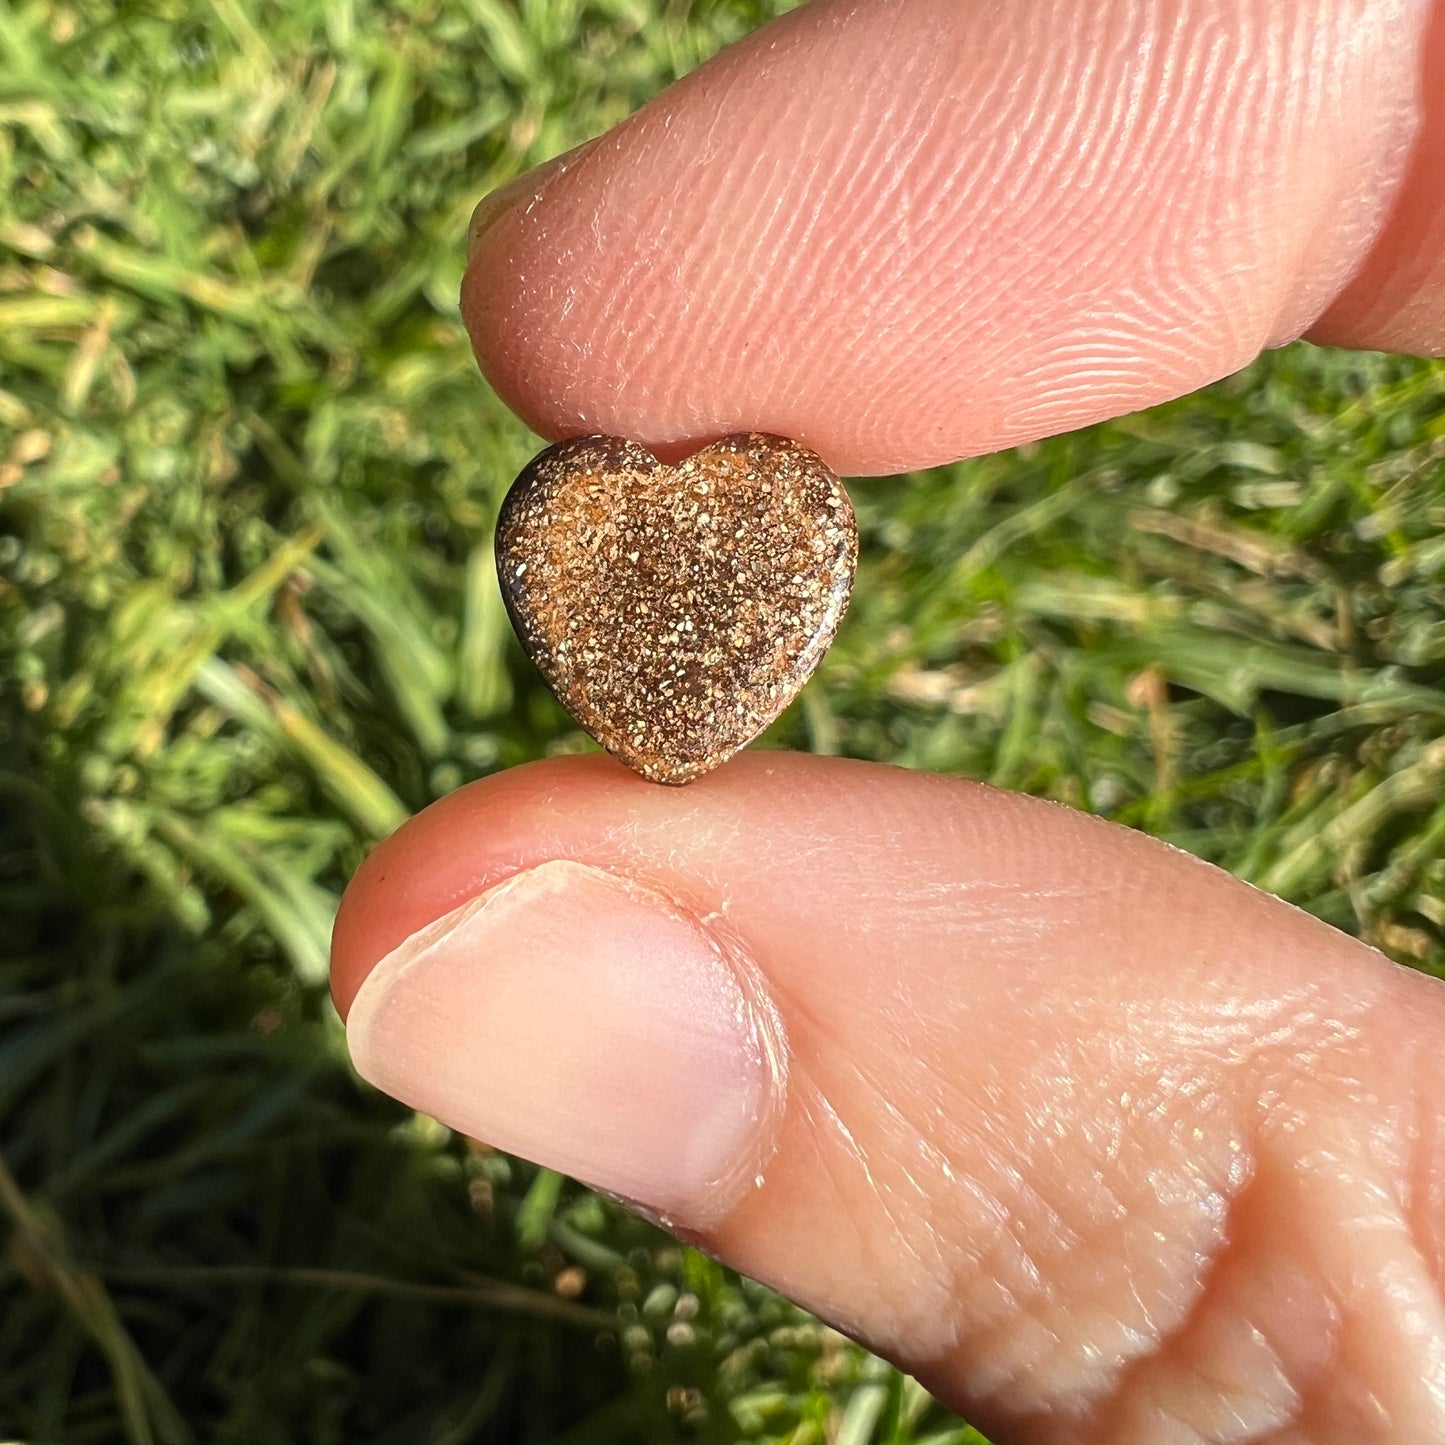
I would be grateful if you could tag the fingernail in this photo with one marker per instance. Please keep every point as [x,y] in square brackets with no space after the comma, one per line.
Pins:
[584,1022]
[525,189]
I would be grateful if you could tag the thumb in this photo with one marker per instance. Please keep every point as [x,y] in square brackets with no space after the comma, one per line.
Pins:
[1101,1143]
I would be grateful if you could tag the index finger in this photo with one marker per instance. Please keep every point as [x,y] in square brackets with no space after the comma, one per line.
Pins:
[903,231]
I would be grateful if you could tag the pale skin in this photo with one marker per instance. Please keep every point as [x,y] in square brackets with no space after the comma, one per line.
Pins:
[1105,1146]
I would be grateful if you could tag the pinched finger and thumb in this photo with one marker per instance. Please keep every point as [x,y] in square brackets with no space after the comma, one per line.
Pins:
[1107,1147]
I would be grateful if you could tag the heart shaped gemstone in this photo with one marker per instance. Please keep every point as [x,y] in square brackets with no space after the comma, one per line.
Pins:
[676,610]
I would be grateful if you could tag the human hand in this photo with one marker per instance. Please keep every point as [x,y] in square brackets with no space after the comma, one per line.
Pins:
[1103,1145]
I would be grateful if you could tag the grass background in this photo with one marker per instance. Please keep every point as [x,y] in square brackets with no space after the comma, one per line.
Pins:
[247,474]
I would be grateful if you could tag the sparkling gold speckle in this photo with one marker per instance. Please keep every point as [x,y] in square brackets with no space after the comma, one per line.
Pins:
[676,611]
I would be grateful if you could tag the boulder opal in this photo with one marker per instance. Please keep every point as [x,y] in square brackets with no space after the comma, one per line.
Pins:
[676,610]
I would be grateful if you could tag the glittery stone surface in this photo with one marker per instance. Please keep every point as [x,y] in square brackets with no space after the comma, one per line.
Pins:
[676,611]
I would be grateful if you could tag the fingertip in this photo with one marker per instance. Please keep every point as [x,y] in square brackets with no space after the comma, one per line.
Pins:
[904,231]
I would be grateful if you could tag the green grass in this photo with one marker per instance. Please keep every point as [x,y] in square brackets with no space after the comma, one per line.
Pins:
[249,624]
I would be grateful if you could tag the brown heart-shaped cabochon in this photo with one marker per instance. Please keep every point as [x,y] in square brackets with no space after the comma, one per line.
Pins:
[676,610]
